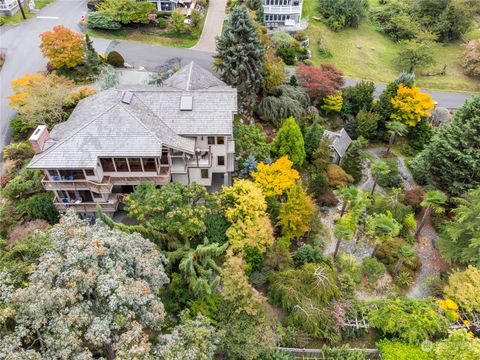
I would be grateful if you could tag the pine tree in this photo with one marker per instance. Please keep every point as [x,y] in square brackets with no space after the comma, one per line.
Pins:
[451,161]
[352,162]
[289,142]
[249,166]
[239,57]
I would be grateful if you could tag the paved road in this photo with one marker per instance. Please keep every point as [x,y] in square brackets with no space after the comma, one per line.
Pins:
[20,43]
[449,100]
[213,26]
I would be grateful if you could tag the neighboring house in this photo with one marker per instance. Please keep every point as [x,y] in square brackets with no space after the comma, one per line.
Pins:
[9,7]
[340,143]
[119,138]
[165,5]
[283,14]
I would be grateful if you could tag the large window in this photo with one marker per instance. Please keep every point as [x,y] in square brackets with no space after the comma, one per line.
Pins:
[135,164]
[107,164]
[121,164]
[149,164]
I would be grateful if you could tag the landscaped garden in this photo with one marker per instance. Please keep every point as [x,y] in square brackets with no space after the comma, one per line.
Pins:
[146,24]
[364,52]
[352,222]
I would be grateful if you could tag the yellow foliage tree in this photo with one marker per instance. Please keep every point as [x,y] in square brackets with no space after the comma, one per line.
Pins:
[296,213]
[245,208]
[276,178]
[333,103]
[410,105]
[39,99]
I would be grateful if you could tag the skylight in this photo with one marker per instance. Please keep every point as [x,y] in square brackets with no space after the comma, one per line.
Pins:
[186,103]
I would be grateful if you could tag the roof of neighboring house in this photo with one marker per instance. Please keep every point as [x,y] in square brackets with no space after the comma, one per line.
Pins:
[340,141]
[103,125]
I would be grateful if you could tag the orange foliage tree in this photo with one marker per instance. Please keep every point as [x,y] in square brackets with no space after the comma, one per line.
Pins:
[276,178]
[63,47]
[410,105]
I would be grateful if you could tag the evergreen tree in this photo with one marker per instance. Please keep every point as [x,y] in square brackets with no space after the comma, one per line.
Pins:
[249,166]
[239,57]
[352,162]
[92,60]
[313,136]
[420,135]
[289,142]
[451,162]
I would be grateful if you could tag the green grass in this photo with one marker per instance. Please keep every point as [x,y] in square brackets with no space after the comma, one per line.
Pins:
[375,60]
[166,39]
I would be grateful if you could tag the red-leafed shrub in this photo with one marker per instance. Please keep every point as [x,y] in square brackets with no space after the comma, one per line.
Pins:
[321,81]
[4,179]
[413,197]
[328,199]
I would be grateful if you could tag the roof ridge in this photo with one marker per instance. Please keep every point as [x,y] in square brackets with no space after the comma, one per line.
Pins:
[189,76]
[51,148]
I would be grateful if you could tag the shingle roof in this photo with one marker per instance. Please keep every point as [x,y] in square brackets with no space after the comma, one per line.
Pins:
[101,125]
[340,141]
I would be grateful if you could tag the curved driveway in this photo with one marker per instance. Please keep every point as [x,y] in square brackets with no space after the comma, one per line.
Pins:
[212,27]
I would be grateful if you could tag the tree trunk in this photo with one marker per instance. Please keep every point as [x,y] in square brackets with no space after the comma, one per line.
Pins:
[337,246]
[390,144]
[375,249]
[424,220]
[344,208]
[397,266]
[374,185]
[108,349]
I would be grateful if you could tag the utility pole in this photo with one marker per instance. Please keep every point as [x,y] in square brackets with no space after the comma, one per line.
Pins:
[21,9]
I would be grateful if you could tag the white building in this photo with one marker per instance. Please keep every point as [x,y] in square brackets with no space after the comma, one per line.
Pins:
[284,14]
[119,138]
[10,7]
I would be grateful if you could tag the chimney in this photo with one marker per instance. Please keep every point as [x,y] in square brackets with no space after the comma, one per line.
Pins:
[38,138]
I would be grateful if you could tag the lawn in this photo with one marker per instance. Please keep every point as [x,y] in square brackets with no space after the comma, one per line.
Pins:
[365,53]
[148,36]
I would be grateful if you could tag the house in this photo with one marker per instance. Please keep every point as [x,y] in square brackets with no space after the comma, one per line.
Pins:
[9,7]
[283,14]
[340,143]
[114,140]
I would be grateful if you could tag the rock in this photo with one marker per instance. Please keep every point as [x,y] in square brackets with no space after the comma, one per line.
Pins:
[373,49]
[316,18]
[359,46]
[127,65]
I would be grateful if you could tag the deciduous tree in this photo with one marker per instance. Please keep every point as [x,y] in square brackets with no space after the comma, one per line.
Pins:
[127,11]
[296,213]
[276,178]
[462,287]
[321,81]
[63,47]
[410,105]
[381,228]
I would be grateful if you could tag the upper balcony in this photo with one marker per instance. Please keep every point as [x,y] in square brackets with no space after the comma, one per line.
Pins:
[282,9]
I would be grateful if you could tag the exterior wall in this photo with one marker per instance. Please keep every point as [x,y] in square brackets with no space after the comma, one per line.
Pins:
[180,178]
[10,7]
[164,5]
[278,12]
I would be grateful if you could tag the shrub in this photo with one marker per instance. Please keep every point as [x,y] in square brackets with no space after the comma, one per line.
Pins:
[115,59]
[282,39]
[387,254]
[288,54]
[20,128]
[18,151]
[23,231]
[328,199]
[4,179]
[216,226]
[40,206]
[393,179]
[367,123]
[396,350]
[404,279]
[307,254]
[97,20]
[471,59]
[127,11]
[74,96]
[393,19]
[253,259]
[318,183]
[342,13]
[352,162]
[413,197]
[372,269]
[337,177]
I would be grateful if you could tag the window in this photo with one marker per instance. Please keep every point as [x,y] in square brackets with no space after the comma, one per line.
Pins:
[204,173]
[149,164]
[135,164]
[121,164]
[220,140]
[71,175]
[96,195]
[89,172]
[221,160]
[107,164]
[52,173]
[211,140]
